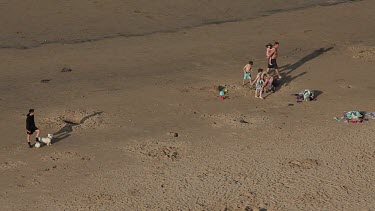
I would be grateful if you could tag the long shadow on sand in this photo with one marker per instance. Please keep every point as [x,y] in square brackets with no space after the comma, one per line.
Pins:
[66,131]
[289,68]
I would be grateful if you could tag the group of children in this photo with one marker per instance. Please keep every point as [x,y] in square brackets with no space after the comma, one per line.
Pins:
[263,81]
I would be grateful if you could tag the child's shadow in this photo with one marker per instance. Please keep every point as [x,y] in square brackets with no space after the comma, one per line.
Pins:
[66,131]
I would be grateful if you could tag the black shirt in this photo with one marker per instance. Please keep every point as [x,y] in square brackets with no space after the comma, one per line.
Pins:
[30,123]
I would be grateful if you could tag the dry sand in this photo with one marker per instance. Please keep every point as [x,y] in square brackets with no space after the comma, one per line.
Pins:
[142,70]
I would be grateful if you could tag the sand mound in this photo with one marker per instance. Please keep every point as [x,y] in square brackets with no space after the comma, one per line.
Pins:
[214,89]
[364,53]
[344,84]
[235,121]
[247,201]
[199,89]
[100,199]
[160,150]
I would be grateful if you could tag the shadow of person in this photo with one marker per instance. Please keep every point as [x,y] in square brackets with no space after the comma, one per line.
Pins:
[289,68]
[284,67]
[318,52]
[67,129]
[60,137]
[287,79]
[64,132]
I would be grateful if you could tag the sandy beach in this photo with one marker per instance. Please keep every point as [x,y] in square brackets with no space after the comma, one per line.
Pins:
[129,89]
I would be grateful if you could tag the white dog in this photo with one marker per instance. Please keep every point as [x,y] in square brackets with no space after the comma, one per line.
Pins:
[47,140]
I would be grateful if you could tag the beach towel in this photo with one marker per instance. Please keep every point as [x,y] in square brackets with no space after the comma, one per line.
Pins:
[351,116]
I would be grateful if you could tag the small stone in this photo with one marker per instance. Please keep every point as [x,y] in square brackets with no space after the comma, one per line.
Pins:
[65,70]
[45,80]
[247,208]
[173,134]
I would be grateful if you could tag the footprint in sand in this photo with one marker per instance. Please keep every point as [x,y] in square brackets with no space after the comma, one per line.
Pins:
[93,201]
[304,164]
[65,156]
[99,198]
[241,207]
[11,165]
[364,53]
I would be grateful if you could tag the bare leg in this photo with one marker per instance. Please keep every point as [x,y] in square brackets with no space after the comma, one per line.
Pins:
[37,133]
[243,82]
[278,73]
[260,94]
[256,93]
[28,140]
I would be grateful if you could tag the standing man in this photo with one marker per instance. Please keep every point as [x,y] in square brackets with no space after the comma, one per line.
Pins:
[31,127]
[274,55]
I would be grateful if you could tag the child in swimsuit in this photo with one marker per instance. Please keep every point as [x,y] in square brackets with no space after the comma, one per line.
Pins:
[259,83]
[247,72]
[268,83]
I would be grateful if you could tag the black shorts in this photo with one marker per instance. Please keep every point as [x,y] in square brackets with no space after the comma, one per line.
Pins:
[32,131]
[273,64]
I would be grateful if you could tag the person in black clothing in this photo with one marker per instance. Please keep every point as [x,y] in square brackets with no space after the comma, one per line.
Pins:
[31,127]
